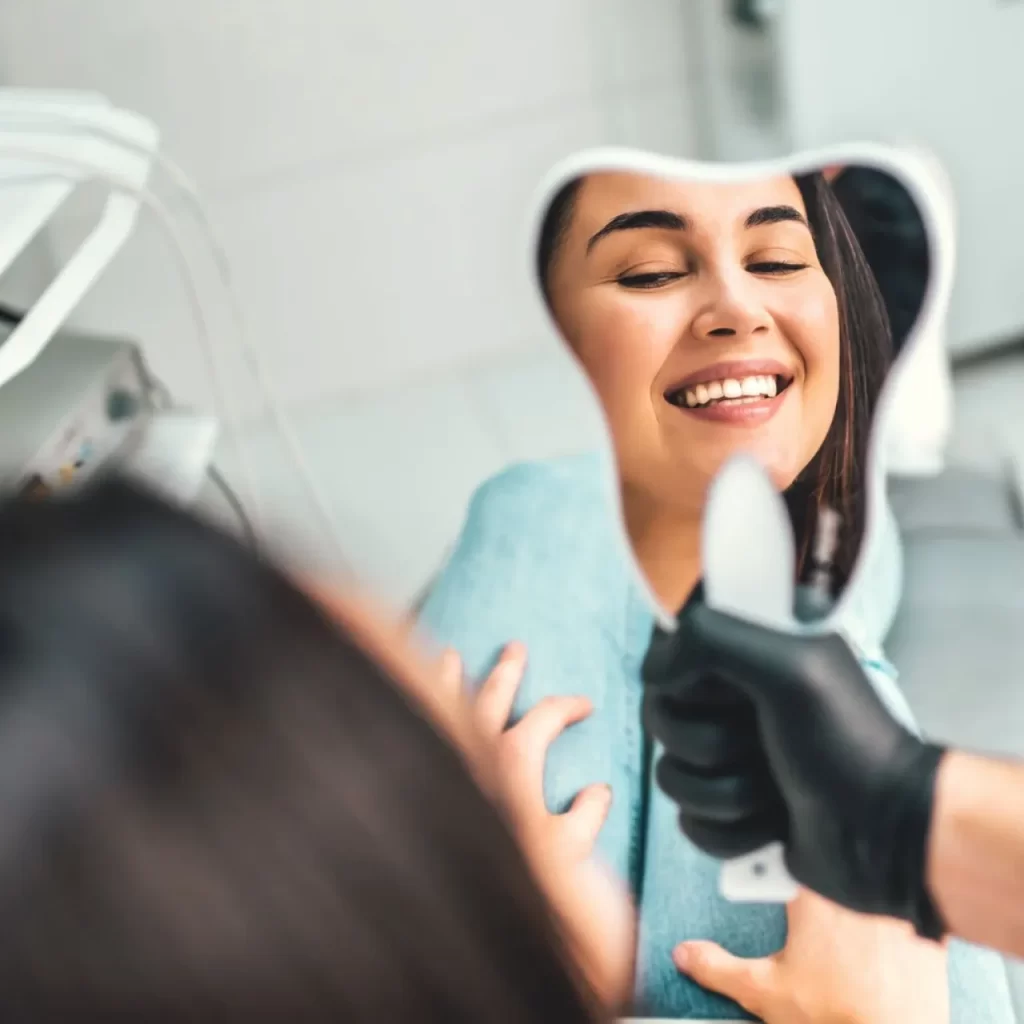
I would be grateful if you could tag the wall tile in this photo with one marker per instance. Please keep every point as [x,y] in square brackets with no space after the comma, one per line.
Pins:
[396,473]
[537,404]
[352,280]
[246,88]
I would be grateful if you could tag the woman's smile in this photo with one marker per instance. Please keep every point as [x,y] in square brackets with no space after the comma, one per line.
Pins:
[743,393]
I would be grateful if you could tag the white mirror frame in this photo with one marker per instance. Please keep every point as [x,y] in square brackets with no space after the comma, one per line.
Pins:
[923,178]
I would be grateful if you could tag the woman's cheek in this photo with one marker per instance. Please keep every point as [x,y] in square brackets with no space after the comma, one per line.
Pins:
[622,351]
[810,320]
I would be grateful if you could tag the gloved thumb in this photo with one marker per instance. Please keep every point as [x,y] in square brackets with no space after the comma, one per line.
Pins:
[748,654]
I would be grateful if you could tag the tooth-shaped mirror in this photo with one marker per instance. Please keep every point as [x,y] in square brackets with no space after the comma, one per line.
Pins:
[718,310]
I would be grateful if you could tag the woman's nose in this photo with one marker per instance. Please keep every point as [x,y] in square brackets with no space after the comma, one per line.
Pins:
[730,309]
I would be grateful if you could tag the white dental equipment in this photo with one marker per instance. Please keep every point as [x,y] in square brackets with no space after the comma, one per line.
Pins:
[53,142]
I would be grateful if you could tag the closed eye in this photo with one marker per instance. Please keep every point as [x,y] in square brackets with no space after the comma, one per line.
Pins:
[650,280]
[775,267]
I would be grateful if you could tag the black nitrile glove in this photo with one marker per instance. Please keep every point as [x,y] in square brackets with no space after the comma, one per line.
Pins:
[770,736]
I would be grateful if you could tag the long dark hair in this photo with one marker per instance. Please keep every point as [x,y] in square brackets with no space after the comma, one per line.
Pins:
[214,806]
[836,478]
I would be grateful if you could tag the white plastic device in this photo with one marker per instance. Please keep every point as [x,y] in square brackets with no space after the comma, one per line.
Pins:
[51,142]
[35,187]
[749,554]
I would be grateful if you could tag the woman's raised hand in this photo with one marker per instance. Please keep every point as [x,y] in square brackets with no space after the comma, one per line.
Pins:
[594,906]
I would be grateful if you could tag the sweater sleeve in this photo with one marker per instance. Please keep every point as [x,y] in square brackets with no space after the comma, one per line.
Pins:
[535,562]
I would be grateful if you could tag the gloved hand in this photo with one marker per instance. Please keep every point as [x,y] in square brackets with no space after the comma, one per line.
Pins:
[770,736]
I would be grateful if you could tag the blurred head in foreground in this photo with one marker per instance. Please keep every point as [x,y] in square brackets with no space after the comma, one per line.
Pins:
[220,801]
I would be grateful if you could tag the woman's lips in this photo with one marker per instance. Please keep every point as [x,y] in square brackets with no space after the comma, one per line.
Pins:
[745,412]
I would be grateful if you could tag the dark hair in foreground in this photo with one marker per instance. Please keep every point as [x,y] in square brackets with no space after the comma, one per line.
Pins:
[215,807]
[837,477]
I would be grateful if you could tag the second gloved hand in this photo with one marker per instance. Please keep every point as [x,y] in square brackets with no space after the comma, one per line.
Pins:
[770,736]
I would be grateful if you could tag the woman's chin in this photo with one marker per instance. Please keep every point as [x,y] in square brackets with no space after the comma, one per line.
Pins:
[783,478]
[782,471]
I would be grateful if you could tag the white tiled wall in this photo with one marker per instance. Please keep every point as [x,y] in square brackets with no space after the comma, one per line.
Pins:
[369,166]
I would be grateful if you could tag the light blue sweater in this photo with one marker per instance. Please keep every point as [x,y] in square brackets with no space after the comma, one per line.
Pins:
[542,559]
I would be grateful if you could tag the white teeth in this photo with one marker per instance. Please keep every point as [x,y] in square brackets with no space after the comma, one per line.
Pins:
[760,386]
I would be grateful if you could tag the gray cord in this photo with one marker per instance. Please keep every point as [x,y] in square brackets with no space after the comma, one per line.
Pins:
[228,493]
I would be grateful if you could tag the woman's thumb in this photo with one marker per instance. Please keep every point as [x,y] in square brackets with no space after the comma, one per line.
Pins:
[747,982]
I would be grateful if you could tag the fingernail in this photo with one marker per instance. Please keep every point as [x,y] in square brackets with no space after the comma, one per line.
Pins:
[681,956]
[509,667]
[514,651]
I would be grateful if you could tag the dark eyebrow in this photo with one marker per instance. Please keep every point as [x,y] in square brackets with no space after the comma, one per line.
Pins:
[775,215]
[640,219]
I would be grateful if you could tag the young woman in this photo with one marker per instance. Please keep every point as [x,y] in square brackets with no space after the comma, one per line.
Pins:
[224,801]
[666,292]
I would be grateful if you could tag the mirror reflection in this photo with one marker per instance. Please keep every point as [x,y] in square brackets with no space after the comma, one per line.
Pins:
[714,318]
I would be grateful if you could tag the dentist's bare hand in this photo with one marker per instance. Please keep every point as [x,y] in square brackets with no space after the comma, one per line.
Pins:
[837,967]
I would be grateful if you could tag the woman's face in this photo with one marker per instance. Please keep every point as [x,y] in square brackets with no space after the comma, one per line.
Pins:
[705,321]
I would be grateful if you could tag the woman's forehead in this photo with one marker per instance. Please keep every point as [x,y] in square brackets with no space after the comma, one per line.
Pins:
[608,194]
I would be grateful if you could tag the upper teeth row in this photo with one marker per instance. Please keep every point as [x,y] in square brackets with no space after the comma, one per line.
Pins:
[746,387]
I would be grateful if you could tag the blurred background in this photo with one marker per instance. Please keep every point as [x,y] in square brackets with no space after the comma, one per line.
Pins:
[370,167]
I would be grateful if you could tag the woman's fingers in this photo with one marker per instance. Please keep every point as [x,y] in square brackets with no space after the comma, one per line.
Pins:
[495,698]
[747,982]
[583,821]
[525,745]
[450,671]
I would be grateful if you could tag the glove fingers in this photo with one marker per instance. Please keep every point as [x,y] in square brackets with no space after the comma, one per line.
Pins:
[736,645]
[725,798]
[703,737]
[727,841]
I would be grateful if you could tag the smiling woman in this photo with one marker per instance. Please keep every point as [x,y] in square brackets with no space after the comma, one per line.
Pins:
[714,318]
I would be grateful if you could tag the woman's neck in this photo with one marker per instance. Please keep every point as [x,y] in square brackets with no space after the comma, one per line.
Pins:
[666,545]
